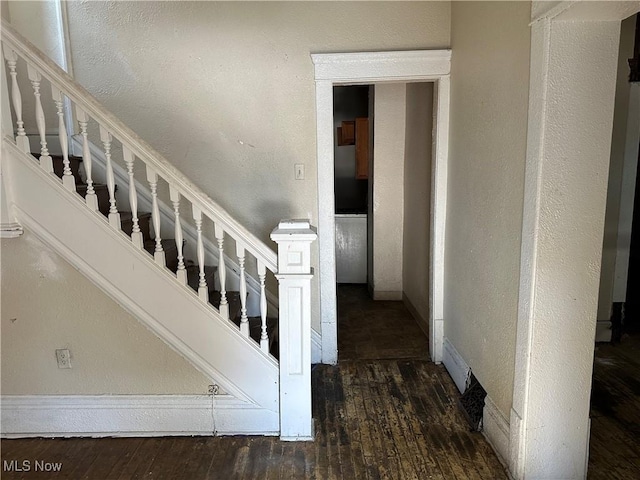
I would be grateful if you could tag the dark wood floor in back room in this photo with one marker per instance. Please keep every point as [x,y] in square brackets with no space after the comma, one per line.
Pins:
[384,412]
[614,448]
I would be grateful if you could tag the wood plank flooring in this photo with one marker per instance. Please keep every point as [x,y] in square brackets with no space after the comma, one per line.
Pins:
[393,417]
[614,449]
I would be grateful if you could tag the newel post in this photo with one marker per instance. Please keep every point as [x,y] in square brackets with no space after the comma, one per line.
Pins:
[294,238]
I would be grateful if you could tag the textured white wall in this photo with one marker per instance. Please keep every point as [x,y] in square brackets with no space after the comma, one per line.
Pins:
[47,304]
[388,187]
[417,196]
[573,77]
[614,190]
[489,95]
[225,90]
[39,22]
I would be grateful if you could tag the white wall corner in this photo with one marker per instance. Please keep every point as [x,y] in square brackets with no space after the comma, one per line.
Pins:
[495,428]
[455,365]
[516,446]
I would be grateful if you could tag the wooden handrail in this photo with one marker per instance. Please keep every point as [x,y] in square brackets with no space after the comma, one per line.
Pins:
[141,149]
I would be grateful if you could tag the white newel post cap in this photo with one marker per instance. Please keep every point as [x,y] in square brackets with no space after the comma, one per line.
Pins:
[294,238]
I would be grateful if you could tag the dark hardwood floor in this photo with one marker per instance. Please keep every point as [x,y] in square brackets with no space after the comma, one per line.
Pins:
[614,449]
[391,417]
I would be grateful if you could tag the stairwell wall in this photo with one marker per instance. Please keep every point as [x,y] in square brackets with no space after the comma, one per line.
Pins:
[225,90]
[47,304]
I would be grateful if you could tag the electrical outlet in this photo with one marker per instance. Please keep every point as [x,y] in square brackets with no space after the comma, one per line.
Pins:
[299,167]
[64,358]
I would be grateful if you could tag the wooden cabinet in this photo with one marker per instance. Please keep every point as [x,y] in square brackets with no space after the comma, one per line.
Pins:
[362,148]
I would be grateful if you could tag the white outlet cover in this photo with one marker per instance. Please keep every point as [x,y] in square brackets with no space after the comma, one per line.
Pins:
[64,358]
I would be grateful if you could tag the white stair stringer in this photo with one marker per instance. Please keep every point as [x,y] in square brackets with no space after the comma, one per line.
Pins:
[149,292]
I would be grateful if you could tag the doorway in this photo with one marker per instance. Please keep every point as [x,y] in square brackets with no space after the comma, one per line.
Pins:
[379,68]
[382,201]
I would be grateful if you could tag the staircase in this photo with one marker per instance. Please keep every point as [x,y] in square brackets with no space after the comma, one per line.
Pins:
[171,252]
[189,271]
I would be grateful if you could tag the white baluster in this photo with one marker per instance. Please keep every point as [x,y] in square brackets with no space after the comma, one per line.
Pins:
[22,141]
[264,337]
[152,178]
[83,119]
[222,272]
[67,176]
[203,291]
[136,234]
[244,321]
[181,273]
[114,216]
[45,159]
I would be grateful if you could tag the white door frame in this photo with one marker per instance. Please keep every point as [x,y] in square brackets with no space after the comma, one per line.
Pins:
[367,68]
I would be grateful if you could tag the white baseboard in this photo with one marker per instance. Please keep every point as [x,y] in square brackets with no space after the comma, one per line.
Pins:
[11,230]
[455,365]
[495,428]
[316,347]
[132,416]
[603,331]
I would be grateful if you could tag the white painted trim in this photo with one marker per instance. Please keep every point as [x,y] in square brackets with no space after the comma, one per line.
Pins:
[495,428]
[455,365]
[167,221]
[11,230]
[364,68]
[132,416]
[439,177]
[603,331]
[316,347]
[375,67]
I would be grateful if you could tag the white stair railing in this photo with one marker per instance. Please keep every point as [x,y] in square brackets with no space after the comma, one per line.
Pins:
[291,267]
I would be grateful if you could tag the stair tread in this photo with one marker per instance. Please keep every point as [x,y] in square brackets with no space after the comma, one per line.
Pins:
[96,186]
[193,276]
[127,216]
[168,244]
[57,156]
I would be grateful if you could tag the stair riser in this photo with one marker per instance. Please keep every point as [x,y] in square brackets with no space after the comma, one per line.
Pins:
[101,192]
